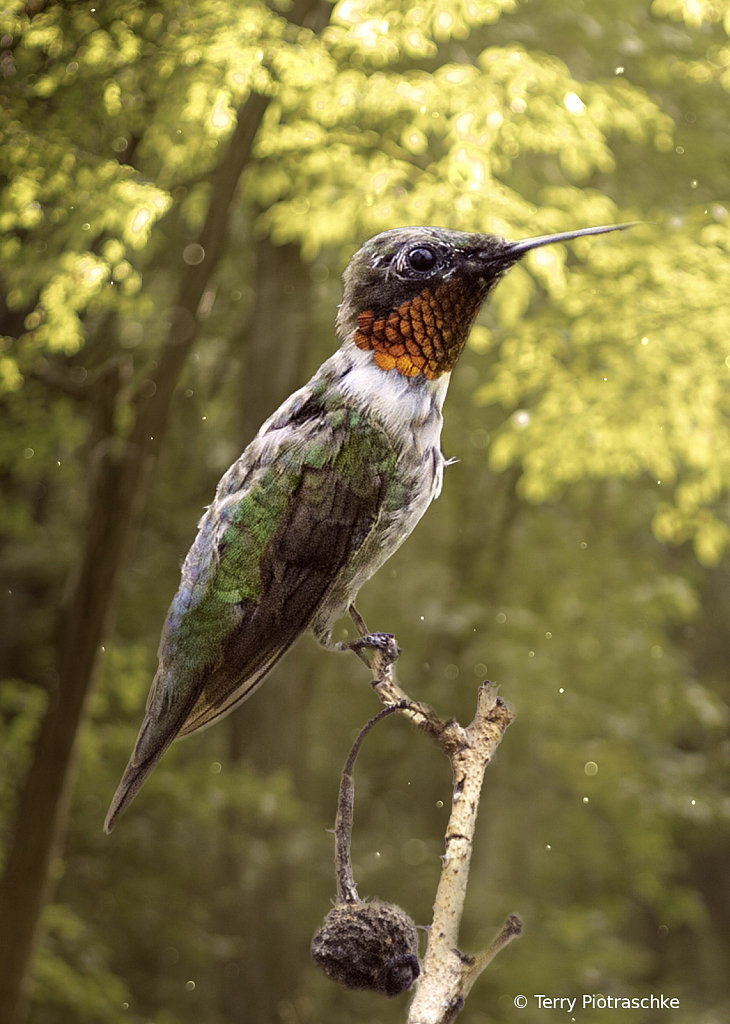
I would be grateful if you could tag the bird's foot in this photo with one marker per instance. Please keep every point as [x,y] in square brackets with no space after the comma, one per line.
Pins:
[383,643]
[369,644]
[376,650]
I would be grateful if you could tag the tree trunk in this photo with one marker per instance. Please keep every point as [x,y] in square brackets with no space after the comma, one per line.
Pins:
[116,497]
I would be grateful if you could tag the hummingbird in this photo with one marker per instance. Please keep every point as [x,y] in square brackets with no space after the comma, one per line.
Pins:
[331,486]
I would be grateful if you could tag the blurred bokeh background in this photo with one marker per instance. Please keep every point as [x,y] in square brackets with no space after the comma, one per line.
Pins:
[160,280]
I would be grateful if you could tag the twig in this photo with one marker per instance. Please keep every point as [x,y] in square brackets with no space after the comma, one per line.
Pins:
[511,928]
[364,944]
[346,888]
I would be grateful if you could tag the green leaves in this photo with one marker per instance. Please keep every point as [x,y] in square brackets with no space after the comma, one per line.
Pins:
[383,32]
[419,148]
[61,980]
[637,384]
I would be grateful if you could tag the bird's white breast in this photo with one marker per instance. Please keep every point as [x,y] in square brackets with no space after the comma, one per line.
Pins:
[407,408]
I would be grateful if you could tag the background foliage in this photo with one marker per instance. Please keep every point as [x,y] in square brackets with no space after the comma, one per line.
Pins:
[577,555]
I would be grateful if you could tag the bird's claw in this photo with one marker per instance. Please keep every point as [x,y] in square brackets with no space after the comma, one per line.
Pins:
[385,643]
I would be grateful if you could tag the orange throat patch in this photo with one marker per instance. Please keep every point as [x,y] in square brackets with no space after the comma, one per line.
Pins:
[424,335]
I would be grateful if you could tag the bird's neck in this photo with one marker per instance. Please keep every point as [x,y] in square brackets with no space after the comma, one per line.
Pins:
[402,404]
[423,336]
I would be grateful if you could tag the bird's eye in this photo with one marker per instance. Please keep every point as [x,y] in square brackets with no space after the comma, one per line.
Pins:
[422,259]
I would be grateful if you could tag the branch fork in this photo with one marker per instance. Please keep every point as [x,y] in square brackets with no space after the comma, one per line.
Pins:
[448,975]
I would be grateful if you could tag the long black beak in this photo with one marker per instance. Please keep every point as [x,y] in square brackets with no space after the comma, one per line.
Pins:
[518,248]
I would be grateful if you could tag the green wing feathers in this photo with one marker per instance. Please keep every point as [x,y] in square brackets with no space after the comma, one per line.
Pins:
[286,520]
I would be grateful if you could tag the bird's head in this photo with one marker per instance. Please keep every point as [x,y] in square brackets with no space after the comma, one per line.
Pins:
[412,294]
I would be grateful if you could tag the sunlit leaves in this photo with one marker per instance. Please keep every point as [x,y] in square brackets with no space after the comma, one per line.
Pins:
[55,205]
[383,31]
[693,12]
[637,384]
[342,150]
[434,147]
[714,64]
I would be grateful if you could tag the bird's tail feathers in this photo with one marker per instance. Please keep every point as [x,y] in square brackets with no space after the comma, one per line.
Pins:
[151,744]
[167,718]
[134,776]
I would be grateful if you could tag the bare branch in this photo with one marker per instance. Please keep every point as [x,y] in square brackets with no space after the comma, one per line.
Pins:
[346,889]
[474,965]
[448,975]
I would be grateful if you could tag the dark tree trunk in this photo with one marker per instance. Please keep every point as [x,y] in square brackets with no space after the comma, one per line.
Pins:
[278,337]
[117,493]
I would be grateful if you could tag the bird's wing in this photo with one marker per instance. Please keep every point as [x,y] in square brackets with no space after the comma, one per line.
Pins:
[286,518]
